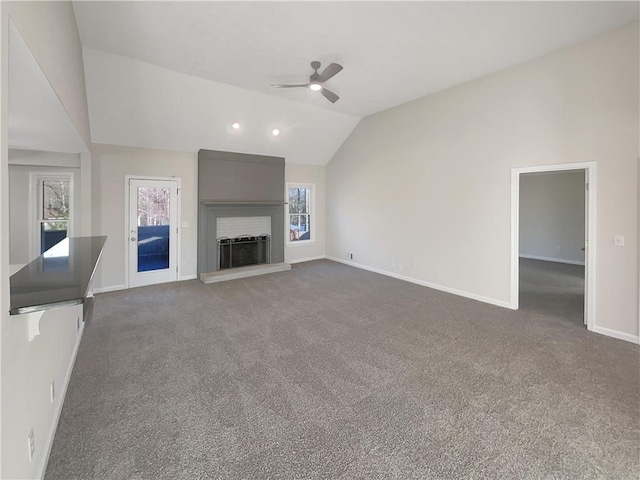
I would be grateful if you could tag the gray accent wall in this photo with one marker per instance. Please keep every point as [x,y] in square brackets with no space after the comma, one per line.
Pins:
[238,185]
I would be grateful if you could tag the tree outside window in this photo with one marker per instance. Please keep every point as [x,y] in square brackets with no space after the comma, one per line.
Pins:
[300,197]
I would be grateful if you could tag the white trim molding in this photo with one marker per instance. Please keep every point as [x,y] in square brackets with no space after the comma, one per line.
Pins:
[307,259]
[111,288]
[590,225]
[461,293]
[616,334]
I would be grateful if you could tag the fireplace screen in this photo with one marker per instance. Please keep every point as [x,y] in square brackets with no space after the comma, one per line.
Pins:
[243,250]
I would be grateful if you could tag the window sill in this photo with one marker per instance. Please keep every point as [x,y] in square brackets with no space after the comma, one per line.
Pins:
[300,243]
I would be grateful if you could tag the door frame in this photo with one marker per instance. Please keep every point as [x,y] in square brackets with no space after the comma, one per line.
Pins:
[590,169]
[127,181]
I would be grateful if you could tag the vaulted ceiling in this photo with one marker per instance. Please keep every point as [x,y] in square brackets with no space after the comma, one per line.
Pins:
[175,75]
[392,52]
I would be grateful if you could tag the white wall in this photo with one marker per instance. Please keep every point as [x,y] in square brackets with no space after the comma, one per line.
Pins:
[29,370]
[438,169]
[50,30]
[299,252]
[4,198]
[140,105]
[111,164]
[26,369]
[552,216]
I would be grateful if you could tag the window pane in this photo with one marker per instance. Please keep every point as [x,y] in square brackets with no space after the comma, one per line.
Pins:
[153,228]
[294,227]
[55,199]
[294,194]
[153,206]
[302,202]
[299,200]
[51,233]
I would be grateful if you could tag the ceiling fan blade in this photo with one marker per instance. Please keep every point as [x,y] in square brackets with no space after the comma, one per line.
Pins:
[329,72]
[279,85]
[329,95]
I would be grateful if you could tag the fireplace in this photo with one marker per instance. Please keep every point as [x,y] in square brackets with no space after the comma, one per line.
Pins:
[230,221]
[241,212]
[243,250]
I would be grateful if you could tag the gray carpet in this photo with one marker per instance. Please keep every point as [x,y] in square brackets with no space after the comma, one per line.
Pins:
[330,372]
[552,288]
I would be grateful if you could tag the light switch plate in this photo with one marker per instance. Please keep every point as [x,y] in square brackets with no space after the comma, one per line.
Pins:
[618,240]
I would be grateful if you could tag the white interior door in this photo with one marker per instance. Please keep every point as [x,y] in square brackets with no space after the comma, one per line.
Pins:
[153,231]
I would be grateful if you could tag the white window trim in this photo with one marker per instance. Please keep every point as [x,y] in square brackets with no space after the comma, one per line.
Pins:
[312,237]
[35,199]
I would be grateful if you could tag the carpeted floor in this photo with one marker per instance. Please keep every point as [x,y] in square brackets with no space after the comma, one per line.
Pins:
[551,288]
[330,372]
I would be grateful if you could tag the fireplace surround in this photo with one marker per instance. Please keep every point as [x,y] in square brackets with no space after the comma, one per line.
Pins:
[238,185]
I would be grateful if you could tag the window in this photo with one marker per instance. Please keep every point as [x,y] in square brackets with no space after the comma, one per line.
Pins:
[53,210]
[300,213]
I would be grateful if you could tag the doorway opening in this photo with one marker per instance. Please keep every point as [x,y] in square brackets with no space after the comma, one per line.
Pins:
[152,231]
[553,240]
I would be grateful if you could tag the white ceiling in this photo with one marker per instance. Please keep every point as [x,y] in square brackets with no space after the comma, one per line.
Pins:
[392,52]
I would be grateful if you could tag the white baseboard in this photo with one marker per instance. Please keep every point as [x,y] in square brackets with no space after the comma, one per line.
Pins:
[112,288]
[461,293]
[58,407]
[307,259]
[550,259]
[115,288]
[616,334]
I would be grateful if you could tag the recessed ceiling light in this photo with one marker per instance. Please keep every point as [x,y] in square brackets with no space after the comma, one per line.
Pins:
[235,125]
[275,132]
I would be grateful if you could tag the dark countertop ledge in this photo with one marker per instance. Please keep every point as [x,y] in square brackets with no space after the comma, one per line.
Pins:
[60,276]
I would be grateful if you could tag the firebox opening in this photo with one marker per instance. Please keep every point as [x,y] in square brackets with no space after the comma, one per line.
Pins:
[243,250]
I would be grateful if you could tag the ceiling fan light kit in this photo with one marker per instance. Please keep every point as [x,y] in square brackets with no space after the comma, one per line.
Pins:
[316,81]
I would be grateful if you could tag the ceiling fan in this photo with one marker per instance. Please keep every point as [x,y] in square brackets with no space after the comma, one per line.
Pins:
[317,79]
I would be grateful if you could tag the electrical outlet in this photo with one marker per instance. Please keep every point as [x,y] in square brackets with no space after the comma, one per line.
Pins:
[618,240]
[350,255]
[31,444]
[400,267]
[52,391]
[558,248]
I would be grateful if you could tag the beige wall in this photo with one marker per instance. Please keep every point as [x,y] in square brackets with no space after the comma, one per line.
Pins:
[111,164]
[552,216]
[297,173]
[438,169]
